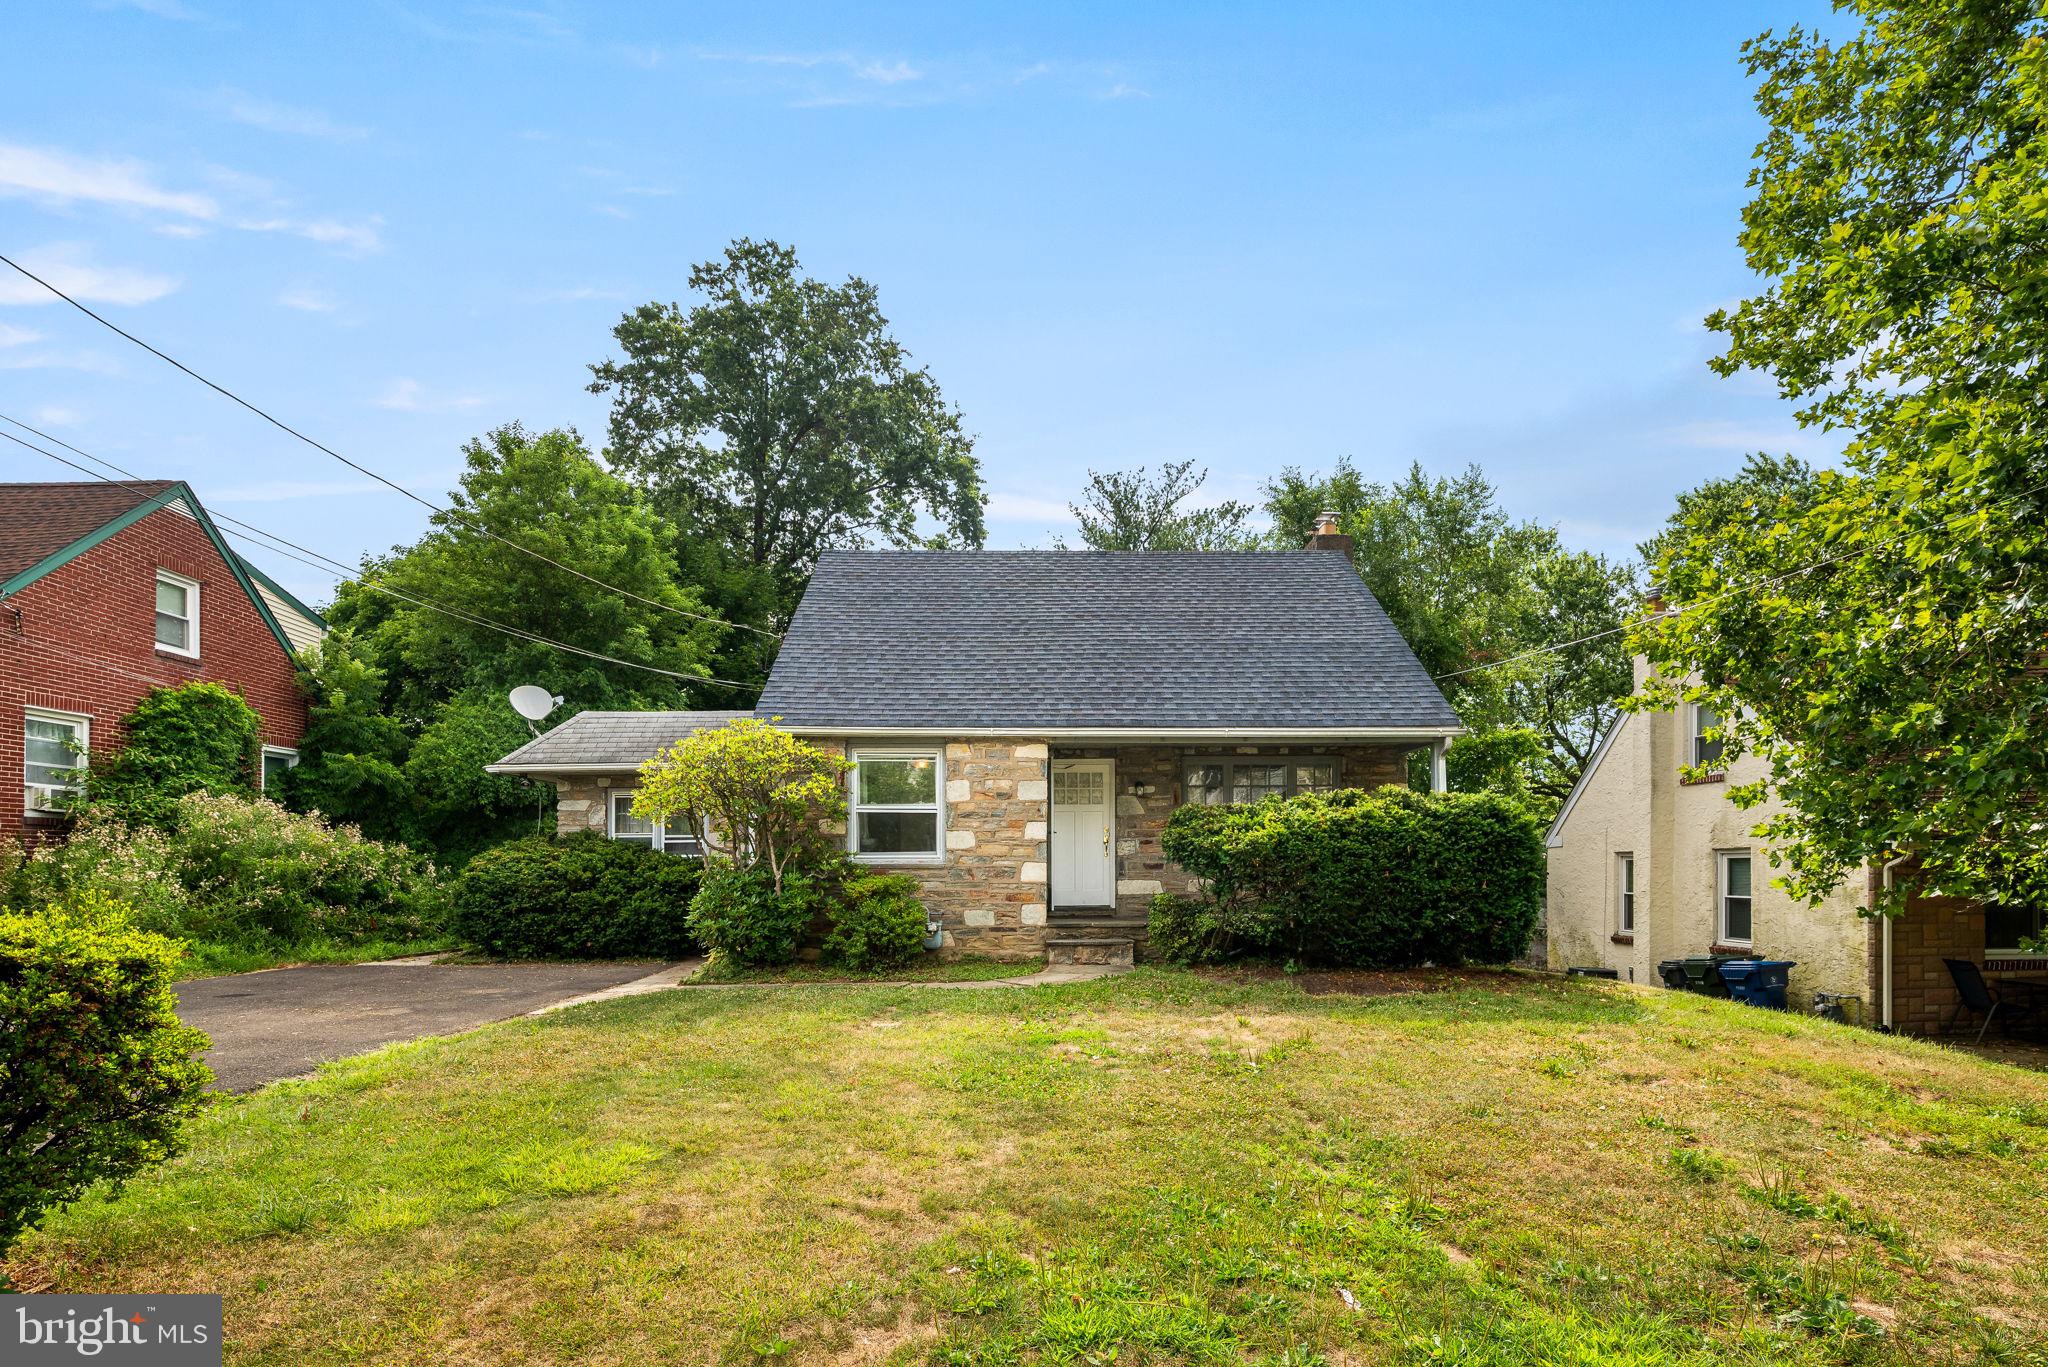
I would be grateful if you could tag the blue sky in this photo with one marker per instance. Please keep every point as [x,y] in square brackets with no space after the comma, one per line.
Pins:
[1249,235]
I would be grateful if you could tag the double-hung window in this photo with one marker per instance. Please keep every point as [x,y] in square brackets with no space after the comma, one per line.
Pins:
[1625,901]
[1247,778]
[1706,753]
[896,816]
[54,757]
[1736,926]
[177,613]
[656,835]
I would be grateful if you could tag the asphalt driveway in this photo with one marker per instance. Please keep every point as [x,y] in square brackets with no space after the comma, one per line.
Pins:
[286,1021]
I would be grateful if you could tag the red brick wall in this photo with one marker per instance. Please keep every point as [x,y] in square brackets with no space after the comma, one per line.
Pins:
[85,641]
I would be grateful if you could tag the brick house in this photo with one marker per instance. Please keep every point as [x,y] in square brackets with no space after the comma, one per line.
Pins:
[1646,865]
[1022,723]
[108,590]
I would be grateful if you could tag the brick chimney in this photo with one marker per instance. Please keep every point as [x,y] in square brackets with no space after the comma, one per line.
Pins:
[1326,537]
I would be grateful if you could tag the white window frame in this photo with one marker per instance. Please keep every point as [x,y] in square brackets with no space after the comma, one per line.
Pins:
[1721,935]
[191,586]
[659,838]
[291,759]
[937,806]
[82,725]
[1625,893]
[1695,740]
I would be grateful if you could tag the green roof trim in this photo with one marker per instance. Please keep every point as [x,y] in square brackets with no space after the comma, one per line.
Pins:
[281,591]
[115,526]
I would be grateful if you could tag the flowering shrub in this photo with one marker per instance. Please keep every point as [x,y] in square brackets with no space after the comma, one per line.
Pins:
[107,858]
[255,871]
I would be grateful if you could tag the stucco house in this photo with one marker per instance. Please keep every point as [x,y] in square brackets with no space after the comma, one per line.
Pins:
[1647,865]
[1022,723]
[111,589]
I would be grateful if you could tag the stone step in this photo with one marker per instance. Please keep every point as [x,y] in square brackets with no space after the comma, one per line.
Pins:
[1067,949]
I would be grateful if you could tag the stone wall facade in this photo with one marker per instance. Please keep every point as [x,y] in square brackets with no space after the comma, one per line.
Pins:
[990,889]
[1142,868]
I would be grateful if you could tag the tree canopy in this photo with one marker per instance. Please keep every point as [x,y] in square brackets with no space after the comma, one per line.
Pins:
[1875,633]
[1125,510]
[779,418]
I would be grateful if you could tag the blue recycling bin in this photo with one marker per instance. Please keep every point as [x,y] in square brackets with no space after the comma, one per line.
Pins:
[1758,982]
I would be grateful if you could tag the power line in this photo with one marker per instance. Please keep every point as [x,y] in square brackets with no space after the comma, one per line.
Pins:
[341,571]
[1733,589]
[362,469]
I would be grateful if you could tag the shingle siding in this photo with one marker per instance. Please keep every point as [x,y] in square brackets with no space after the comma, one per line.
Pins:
[1055,639]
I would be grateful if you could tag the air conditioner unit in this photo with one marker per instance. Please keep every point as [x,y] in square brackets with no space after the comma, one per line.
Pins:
[37,797]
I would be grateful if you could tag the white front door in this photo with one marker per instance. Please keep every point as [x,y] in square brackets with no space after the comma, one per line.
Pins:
[1083,829]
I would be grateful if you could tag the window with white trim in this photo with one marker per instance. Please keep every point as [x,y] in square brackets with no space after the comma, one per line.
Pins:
[895,816]
[54,757]
[177,613]
[1706,753]
[1625,894]
[1736,924]
[2007,927]
[277,759]
[656,835]
[1213,782]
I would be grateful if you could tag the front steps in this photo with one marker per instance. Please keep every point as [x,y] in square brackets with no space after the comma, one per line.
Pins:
[1116,941]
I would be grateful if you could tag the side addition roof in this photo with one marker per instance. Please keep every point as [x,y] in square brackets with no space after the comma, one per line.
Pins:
[1079,641]
[606,742]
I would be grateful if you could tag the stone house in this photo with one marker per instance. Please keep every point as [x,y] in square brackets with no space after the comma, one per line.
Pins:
[1022,723]
[1647,865]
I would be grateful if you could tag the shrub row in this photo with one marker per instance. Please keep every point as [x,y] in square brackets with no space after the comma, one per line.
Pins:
[1385,879]
[584,897]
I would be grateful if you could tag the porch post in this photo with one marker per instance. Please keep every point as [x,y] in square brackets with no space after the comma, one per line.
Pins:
[1439,775]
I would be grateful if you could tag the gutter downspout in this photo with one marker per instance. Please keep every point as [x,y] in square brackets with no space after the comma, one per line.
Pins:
[1439,773]
[1886,875]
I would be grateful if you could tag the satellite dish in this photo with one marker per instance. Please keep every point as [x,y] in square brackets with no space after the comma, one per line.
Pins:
[532,702]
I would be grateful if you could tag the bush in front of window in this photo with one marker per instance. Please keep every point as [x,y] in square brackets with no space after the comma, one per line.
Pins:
[740,912]
[1387,879]
[582,897]
[757,791]
[1189,930]
[877,923]
[100,1075]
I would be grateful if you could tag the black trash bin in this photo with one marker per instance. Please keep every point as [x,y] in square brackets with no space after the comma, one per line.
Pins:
[1703,974]
[1614,973]
[1672,971]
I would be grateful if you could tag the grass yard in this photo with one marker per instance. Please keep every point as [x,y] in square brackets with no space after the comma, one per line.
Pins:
[1152,1168]
[925,968]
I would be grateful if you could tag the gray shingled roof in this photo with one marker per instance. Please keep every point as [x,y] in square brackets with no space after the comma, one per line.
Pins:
[1280,639]
[613,740]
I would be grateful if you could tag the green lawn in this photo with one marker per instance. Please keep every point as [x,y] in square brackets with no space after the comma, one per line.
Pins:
[1152,1168]
[925,968]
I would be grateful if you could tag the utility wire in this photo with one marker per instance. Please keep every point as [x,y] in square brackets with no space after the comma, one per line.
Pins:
[1733,589]
[341,571]
[362,469]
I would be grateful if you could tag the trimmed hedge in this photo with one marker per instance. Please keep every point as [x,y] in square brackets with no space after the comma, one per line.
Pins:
[584,897]
[1385,879]
[737,912]
[99,1075]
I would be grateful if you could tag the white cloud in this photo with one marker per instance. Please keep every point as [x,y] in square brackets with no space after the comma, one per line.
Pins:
[273,117]
[50,415]
[1011,507]
[11,335]
[307,300]
[89,362]
[183,231]
[60,178]
[366,236]
[409,396]
[65,265]
[885,73]
[611,211]
[284,491]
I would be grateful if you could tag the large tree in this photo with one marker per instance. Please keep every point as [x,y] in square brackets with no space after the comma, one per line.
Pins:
[1877,633]
[1127,510]
[778,417]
